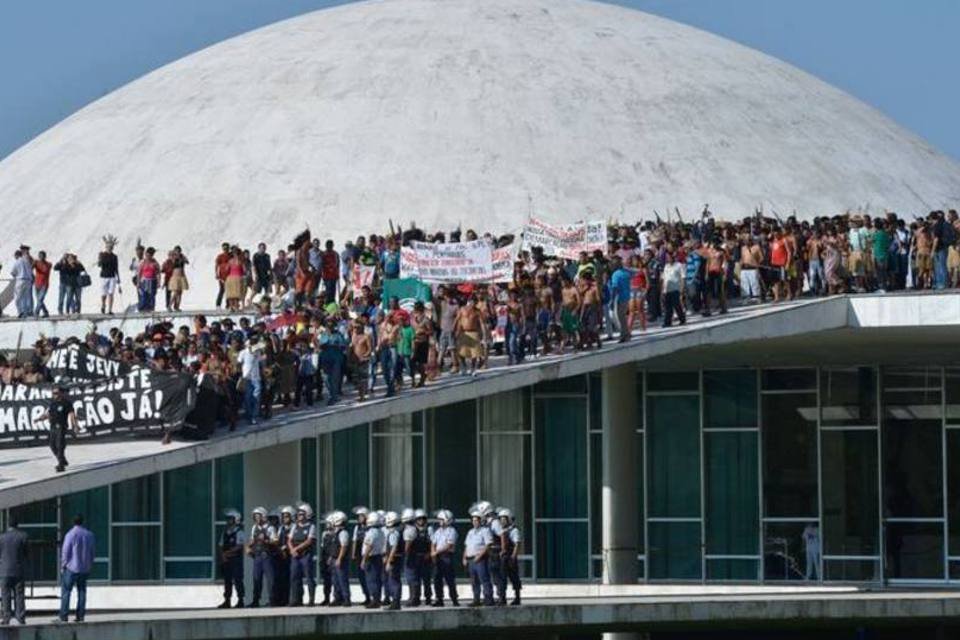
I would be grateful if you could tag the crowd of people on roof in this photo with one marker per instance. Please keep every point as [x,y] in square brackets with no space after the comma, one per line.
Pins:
[306,330]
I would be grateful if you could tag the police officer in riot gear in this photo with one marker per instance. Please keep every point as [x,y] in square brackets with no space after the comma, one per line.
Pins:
[273,518]
[395,555]
[231,558]
[339,560]
[442,549]
[326,550]
[476,549]
[263,537]
[302,544]
[510,541]
[282,575]
[374,548]
[359,530]
[416,537]
[496,548]
[408,533]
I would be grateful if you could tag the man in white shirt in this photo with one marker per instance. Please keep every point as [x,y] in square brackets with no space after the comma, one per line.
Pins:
[22,274]
[249,359]
[671,284]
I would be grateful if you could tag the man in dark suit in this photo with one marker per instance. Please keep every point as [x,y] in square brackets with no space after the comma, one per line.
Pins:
[13,564]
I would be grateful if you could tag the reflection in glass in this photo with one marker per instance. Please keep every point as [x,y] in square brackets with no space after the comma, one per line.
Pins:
[914,550]
[848,396]
[788,554]
[789,431]
[851,507]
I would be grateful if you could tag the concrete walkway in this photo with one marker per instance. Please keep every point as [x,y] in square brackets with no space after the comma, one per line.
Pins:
[693,609]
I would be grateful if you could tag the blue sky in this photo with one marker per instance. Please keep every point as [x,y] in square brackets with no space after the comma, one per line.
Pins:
[898,55]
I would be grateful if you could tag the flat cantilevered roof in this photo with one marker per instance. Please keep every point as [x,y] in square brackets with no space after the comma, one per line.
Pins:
[27,474]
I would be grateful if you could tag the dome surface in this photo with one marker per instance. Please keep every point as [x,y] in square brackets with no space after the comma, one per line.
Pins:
[454,112]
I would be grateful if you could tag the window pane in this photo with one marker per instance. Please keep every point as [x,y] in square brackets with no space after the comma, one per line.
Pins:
[562,550]
[504,473]
[730,398]
[733,503]
[851,507]
[397,472]
[573,384]
[452,451]
[507,411]
[400,424]
[136,553]
[788,554]
[42,553]
[641,477]
[93,506]
[187,570]
[596,492]
[953,489]
[790,455]
[788,379]
[851,570]
[911,378]
[596,401]
[229,483]
[187,511]
[848,396]
[740,570]
[952,387]
[674,551]
[43,512]
[561,441]
[912,455]
[673,381]
[673,436]
[914,550]
[308,470]
[137,500]
[351,482]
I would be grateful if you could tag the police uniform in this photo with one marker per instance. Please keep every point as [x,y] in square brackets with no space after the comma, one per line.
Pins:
[302,567]
[262,537]
[417,543]
[510,565]
[376,542]
[495,564]
[282,567]
[359,531]
[340,539]
[327,552]
[444,541]
[477,540]
[233,539]
[395,544]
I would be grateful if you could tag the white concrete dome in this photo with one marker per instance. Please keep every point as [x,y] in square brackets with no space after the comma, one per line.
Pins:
[449,112]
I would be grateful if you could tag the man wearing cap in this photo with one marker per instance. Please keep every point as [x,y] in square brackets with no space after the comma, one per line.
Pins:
[263,537]
[475,549]
[62,417]
[231,547]
[442,548]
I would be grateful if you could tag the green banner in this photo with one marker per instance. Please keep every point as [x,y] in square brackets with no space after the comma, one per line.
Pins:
[406,290]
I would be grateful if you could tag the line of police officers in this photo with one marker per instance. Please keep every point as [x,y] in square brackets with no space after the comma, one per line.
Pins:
[386,548]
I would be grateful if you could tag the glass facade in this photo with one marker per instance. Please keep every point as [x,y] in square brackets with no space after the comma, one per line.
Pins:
[842,474]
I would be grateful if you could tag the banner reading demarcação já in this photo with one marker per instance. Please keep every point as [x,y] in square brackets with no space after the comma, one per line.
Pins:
[139,400]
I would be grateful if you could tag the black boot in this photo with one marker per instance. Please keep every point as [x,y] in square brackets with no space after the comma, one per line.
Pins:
[516,601]
[224,605]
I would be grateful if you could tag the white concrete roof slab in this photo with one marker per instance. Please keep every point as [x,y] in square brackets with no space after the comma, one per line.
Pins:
[27,474]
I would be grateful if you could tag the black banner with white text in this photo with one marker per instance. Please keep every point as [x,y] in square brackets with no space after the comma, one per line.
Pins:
[139,400]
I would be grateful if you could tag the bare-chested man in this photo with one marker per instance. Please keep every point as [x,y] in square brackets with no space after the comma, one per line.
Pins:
[468,334]
[361,347]
[570,313]
[589,311]
[388,333]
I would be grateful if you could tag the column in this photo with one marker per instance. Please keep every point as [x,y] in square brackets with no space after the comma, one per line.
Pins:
[271,477]
[620,517]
